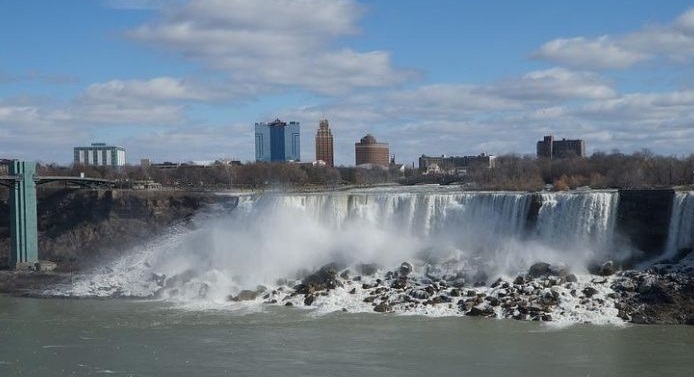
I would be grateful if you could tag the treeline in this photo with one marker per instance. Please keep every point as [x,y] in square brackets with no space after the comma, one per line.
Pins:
[642,169]
[250,175]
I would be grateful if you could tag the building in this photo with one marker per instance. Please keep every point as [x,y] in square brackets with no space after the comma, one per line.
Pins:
[455,164]
[277,141]
[368,151]
[99,154]
[324,144]
[550,148]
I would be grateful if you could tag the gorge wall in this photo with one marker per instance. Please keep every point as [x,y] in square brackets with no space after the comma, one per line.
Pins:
[77,227]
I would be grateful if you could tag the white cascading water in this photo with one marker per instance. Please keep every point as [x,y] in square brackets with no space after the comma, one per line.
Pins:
[580,224]
[276,236]
[681,230]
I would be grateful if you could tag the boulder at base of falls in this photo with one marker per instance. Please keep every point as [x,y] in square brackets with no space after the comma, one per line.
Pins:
[383,307]
[539,269]
[476,311]
[323,279]
[605,269]
[245,295]
[405,268]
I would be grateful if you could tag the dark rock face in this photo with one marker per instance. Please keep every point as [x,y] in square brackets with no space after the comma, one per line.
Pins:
[649,298]
[643,218]
[77,227]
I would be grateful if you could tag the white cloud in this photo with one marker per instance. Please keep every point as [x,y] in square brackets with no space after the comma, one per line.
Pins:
[286,43]
[592,53]
[156,89]
[674,41]
[553,84]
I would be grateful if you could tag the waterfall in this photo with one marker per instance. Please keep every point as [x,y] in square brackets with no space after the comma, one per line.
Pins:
[274,236]
[578,222]
[681,229]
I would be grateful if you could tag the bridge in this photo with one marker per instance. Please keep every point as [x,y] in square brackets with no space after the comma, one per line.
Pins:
[22,181]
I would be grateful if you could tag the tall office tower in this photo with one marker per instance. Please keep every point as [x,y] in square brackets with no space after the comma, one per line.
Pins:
[368,151]
[324,143]
[277,141]
[99,154]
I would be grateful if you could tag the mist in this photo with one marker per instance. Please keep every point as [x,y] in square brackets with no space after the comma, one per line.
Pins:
[274,238]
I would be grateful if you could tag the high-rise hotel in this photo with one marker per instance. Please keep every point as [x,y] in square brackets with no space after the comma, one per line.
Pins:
[99,154]
[324,144]
[277,141]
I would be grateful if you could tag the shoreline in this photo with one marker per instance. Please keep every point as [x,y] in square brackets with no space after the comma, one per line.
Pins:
[662,295]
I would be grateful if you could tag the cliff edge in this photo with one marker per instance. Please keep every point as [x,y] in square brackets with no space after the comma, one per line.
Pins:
[78,227]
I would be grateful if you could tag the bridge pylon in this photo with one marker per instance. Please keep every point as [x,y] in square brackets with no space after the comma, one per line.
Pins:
[24,252]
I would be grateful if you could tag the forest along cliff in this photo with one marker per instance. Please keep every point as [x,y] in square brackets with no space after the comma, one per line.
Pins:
[78,228]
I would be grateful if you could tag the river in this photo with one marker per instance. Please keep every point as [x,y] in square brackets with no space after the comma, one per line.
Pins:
[86,337]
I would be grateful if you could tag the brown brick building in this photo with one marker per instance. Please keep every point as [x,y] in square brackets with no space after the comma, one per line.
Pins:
[550,148]
[368,151]
[324,143]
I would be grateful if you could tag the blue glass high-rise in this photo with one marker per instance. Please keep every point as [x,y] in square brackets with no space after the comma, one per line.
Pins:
[277,141]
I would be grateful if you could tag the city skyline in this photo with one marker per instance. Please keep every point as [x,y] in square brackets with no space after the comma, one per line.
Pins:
[186,80]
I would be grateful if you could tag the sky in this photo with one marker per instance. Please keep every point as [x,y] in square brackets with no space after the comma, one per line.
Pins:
[186,80]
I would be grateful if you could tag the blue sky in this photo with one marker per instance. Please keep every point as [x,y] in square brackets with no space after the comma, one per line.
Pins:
[186,80]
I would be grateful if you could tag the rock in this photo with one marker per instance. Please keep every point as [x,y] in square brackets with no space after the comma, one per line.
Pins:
[519,280]
[405,268]
[493,301]
[245,295]
[353,291]
[476,311]
[323,279]
[399,284]
[458,283]
[455,292]
[589,291]
[309,299]
[539,269]
[383,307]
[607,269]
[345,275]
[419,294]
[571,278]
[496,283]
[288,304]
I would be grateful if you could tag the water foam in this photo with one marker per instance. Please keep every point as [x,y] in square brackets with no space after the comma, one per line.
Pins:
[444,232]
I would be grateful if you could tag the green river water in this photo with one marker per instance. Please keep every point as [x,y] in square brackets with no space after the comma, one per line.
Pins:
[54,337]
